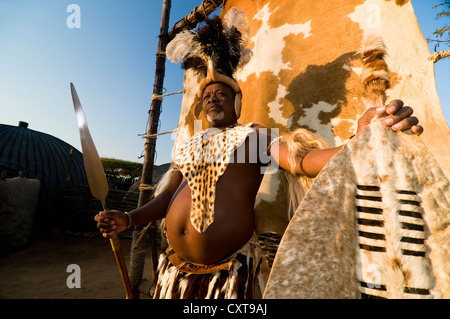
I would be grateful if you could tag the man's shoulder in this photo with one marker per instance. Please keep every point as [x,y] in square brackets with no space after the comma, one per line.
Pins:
[262,130]
[254,125]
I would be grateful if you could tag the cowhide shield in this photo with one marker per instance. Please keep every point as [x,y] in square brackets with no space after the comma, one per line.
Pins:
[374,224]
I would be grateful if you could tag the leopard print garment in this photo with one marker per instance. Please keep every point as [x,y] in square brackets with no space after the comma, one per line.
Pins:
[202,159]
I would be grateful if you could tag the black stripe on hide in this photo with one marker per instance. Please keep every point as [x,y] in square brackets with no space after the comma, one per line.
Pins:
[372,248]
[372,235]
[368,188]
[410,214]
[370,210]
[409,202]
[412,240]
[406,192]
[372,198]
[407,252]
[370,222]
[410,226]
[417,291]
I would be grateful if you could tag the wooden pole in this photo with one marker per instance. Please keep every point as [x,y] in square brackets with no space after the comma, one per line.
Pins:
[137,257]
[197,15]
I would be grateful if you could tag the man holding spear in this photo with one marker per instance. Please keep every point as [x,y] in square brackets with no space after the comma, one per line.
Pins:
[208,202]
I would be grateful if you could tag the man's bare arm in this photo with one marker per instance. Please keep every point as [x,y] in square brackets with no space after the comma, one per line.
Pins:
[310,165]
[398,117]
[117,221]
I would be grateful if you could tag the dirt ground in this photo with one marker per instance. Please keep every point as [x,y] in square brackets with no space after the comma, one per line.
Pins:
[39,270]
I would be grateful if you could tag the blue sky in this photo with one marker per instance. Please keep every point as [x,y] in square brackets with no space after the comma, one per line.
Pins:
[111,61]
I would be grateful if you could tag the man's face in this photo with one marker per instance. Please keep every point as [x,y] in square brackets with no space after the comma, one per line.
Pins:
[218,105]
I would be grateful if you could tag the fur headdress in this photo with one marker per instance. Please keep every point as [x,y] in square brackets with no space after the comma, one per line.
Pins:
[215,51]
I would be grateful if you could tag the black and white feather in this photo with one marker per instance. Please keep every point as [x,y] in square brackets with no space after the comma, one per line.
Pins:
[223,41]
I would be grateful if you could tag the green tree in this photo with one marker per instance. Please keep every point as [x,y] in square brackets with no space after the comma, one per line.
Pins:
[442,35]
[117,167]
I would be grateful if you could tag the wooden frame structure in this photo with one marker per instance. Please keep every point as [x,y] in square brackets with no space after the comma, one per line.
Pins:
[144,237]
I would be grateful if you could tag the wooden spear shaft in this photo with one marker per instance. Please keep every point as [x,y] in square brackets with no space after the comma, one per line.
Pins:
[137,257]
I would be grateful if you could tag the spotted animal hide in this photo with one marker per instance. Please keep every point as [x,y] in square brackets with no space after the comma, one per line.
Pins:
[202,160]
[374,224]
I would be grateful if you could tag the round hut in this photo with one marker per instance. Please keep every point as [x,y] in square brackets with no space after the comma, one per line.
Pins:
[39,156]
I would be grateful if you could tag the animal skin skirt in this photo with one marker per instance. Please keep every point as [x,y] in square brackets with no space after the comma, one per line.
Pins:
[234,278]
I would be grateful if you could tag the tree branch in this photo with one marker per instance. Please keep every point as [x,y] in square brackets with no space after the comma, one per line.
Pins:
[436,56]
[440,41]
[446,2]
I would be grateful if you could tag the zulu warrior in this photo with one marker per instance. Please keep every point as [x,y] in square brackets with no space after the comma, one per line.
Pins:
[208,202]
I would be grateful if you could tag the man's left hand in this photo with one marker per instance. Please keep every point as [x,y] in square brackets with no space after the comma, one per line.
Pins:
[398,117]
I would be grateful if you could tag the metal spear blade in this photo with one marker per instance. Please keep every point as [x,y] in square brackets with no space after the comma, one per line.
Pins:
[93,166]
[98,184]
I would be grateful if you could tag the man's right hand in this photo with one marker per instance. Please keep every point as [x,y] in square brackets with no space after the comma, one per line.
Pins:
[111,221]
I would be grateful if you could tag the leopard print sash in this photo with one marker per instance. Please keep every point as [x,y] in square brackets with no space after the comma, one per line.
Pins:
[202,159]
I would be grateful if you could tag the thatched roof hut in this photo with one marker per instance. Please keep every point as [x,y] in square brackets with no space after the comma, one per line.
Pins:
[34,154]
[40,155]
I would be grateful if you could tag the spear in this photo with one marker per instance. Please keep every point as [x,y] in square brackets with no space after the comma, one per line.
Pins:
[98,183]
